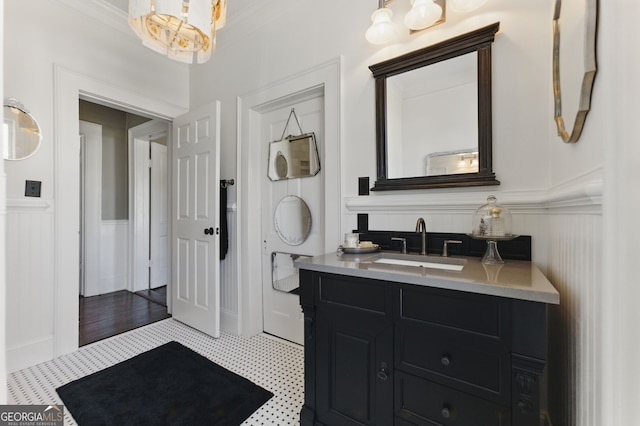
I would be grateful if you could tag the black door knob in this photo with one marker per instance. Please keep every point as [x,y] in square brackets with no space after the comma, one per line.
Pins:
[383,373]
[445,360]
[208,231]
[446,412]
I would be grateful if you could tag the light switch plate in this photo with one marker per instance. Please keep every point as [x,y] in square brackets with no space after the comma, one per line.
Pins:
[32,188]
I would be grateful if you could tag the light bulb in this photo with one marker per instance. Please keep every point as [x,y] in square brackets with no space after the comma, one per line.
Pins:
[465,5]
[382,30]
[423,14]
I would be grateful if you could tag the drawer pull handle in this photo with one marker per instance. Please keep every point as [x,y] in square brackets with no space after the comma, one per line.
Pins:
[446,412]
[383,373]
[445,360]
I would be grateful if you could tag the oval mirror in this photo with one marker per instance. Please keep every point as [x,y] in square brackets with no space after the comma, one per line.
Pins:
[574,64]
[292,220]
[21,131]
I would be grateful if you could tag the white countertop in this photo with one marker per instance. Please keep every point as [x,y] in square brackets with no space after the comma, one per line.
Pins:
[515,279]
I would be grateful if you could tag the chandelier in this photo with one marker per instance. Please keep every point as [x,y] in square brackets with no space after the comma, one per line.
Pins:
[183,30]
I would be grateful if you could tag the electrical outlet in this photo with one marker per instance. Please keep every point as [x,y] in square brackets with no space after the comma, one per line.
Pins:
[363,222]
[32,188]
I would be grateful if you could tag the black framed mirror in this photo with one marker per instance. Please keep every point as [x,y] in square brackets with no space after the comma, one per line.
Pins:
[462,135]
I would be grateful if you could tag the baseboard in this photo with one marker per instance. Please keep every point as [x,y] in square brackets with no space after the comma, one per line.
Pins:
[29,354]
[229,321]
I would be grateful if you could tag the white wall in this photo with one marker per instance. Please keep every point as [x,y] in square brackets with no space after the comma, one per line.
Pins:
[614,125]
[42,37]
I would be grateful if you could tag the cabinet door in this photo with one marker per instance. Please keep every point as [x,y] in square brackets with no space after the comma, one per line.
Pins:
[354,383]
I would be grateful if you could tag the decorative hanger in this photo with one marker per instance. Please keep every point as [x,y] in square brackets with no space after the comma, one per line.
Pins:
[293,112]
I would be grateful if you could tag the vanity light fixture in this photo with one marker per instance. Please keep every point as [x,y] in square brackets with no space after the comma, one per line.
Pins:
[183,30]
[382,30]
[423,14]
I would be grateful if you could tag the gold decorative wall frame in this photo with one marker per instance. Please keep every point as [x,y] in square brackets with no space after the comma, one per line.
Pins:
[571,133]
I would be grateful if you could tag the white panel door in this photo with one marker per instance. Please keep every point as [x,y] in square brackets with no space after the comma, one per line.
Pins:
[282,314]
[196,219]
[159,235]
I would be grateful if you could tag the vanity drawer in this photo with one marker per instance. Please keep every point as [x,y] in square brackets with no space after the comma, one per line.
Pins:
[474,313]
[421,402]
[367,295]
[471,363]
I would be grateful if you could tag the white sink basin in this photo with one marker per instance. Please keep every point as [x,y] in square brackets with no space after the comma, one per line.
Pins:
[419,261]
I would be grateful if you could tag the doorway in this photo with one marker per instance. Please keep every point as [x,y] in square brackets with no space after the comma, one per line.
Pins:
[149,210]
[109,303]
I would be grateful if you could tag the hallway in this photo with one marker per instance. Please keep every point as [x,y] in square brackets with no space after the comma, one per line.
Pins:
[110,314]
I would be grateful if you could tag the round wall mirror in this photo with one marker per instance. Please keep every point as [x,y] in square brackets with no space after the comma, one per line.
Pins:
[292,220]
[22,134]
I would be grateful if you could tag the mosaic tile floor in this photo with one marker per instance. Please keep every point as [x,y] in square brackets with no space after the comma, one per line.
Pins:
[274,364]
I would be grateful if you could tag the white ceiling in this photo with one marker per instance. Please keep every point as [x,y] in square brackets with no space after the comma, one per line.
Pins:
[120,4]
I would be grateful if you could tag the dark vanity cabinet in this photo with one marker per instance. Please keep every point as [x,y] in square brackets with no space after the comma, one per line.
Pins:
[385,353]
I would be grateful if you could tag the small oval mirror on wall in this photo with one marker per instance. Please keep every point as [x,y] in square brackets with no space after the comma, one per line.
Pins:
[21,131]
[574,64]
[292,220]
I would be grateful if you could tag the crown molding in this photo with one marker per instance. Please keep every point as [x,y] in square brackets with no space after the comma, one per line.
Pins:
[103,12]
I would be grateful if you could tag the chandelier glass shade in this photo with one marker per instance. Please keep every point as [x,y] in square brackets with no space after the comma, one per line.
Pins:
[183,30]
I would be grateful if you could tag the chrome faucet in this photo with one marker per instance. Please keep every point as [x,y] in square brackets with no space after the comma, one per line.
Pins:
[404,244]
[422,228]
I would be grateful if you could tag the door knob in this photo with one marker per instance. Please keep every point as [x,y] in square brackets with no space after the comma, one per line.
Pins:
[445,360]
[383,373]
[208,231]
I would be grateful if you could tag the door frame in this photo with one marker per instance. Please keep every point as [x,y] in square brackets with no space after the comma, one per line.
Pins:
[139,205]
[69,87]
[281,311]
[91,209]
[325,77]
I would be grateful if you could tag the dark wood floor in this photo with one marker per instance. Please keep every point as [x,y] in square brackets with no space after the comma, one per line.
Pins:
[114,313]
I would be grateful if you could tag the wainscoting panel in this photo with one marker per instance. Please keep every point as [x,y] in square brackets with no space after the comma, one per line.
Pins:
[29,293]
[229,278]
[575,269]
[114,255]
